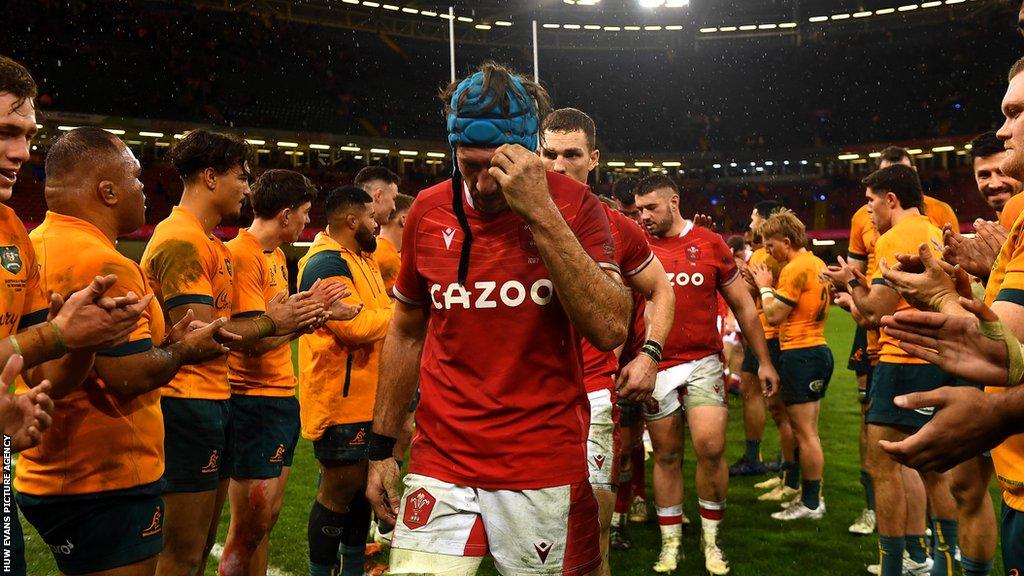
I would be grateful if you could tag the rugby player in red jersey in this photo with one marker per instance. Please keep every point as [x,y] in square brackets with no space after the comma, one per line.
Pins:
[504,267]
[700,266]
[568,146]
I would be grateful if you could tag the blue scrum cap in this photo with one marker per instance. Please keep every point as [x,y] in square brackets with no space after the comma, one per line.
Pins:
[476,120]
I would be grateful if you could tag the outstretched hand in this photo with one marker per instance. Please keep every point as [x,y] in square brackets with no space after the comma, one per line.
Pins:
[967,422]
[926,282]
[955,343]
[23,417]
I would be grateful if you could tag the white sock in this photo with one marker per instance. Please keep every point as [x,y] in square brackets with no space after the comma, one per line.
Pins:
[670,520]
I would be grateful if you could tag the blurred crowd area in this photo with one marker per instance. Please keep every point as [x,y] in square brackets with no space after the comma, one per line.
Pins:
[824,203]
[172,60]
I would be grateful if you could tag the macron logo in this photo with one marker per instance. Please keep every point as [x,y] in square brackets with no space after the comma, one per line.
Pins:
[449,235]
[543,549]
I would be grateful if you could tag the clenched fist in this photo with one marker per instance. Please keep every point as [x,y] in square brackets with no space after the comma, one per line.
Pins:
[523,181]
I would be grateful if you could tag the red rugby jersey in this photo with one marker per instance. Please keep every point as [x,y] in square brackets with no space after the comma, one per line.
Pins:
[502,404]
[698,263]
[633,254]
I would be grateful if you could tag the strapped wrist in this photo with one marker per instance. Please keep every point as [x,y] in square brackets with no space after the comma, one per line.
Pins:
[995,330]
[380,447]
[265,326]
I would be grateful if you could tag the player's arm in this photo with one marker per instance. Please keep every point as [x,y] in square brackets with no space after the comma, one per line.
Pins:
[873,299]
[399,368]
[331,270]
[742,306]
[369,324]
[595,300]
[140,366]
[857,263]
[61,349]
[660,312]
[636,380]
[967,421]
[775,309]
[398,374]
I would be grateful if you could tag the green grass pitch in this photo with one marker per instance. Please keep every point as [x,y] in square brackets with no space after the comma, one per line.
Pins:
[754,543]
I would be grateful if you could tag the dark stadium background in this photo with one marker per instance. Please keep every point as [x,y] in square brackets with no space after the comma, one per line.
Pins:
[739,117]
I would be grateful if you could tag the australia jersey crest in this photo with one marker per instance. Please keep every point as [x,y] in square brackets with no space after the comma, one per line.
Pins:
[10,258]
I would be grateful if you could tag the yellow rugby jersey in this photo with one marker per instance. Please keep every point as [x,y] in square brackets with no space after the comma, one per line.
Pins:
[23,303]
[1006,283]
[863,236]
[761,256]
[1012,251]
[903,238]
[940,213]
[1014,206]
[258,277]
[800,287]
[185,265]
[338,362]
[99,440]
[388,260]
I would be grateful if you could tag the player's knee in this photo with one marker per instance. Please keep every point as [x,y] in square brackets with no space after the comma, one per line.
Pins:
[668,457]
[335,496]
[881,468]
[709,451]
[969,494]
[185,549]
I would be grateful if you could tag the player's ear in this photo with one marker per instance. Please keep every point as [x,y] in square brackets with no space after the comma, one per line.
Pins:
[284,216]
[209,178]
[106,192]
[595,158]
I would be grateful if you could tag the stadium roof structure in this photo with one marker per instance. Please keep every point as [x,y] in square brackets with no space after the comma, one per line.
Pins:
[608,24]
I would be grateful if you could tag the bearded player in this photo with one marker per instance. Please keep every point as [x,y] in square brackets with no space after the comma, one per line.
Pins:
[700,266]
[504,256]
[568,146]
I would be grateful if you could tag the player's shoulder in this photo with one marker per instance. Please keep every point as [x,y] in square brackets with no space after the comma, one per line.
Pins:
[12,229]
[245,246]
[935,202]
[569,195]
[178,228]
[326,263]
[625,225]
[811,261]
[1012,210]
[709,236]
[439,194]
[385,248]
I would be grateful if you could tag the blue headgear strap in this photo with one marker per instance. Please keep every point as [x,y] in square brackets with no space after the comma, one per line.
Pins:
[476,121]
